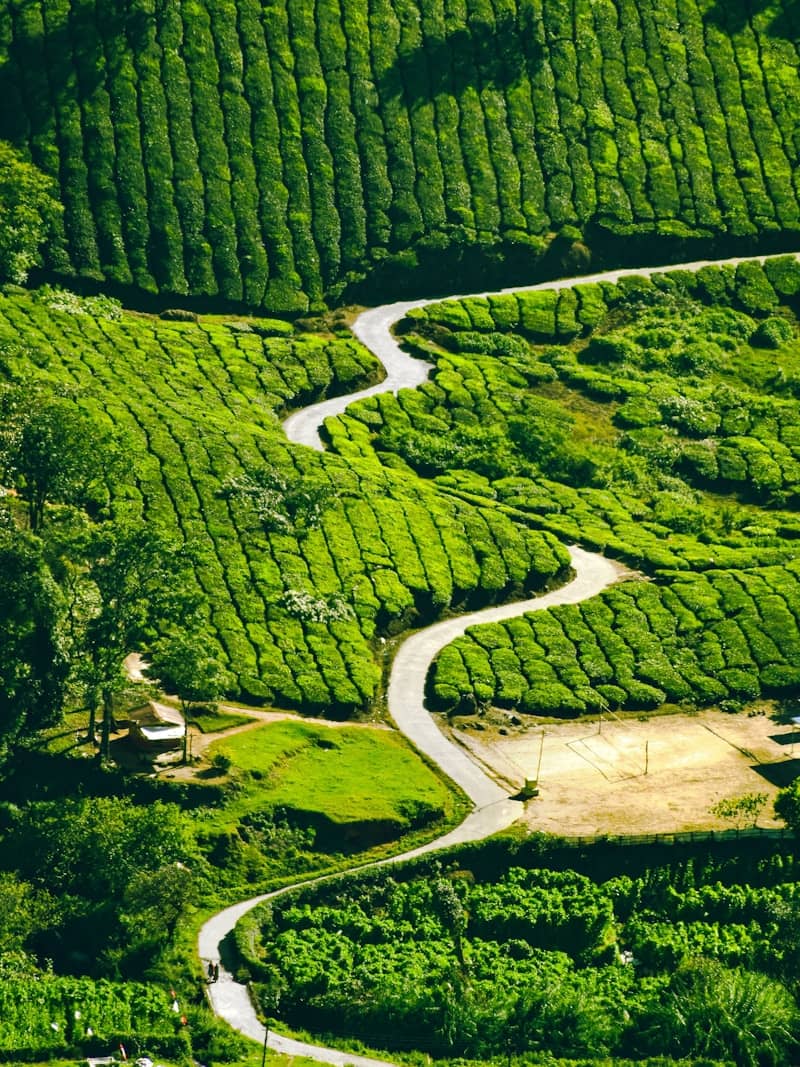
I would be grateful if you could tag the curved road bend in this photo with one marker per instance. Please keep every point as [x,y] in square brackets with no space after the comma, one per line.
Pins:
[373,328]
[494,810]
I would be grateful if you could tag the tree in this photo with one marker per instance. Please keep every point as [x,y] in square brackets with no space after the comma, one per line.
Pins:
[154,902]
[787,805]
[139,583]
[53,452]
[33,663]
[106,860]
[709,1010]
[28,210]
[96,847]
[24,912]
[183,664]
[741,810]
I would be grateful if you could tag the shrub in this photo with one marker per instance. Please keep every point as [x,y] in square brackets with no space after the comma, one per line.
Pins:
[772,333]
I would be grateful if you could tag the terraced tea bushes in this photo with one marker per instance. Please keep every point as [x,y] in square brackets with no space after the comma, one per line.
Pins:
[295,608]
[701,639]
[274,156]
[660,390]
[613,438]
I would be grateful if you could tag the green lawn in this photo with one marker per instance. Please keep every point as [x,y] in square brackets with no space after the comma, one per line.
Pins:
[347,774]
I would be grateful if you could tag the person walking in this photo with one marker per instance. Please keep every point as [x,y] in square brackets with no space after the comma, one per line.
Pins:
[210,971]
[216,973]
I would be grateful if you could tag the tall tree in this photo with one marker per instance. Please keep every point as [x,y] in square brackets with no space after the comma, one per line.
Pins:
[28,209]
[53,452]
[139,584]
[184,666]
[33,663]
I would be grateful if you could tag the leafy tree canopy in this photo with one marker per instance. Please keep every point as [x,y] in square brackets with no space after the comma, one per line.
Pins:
[96,847]
[33,664]
[53,452]
[28,209]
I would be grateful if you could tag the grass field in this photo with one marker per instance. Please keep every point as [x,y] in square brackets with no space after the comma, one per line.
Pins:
[353,779]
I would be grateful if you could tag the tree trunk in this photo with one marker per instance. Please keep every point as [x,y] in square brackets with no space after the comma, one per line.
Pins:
[105,731]
[184,711]
[91,729]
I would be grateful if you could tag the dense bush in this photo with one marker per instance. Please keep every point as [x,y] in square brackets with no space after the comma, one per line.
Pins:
[493,957]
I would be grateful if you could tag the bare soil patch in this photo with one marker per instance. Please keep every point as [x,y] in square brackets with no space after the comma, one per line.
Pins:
[592,780]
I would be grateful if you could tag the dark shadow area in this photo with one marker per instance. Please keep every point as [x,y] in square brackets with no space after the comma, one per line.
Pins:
[786,740]
[37,775]
[733,15]
[780,774]
[480,53]
[68,58]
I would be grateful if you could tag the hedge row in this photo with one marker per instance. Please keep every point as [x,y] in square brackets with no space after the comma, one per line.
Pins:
[293,612]
[700,639]
[272,155]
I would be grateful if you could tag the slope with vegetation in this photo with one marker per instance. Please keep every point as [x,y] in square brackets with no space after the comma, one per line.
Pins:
[301,561]
[662,429]
[279,155]
[522,948]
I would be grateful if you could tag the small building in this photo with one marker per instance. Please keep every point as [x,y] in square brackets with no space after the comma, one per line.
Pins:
[156,727]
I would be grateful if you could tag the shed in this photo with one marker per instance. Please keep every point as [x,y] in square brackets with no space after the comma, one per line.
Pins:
[156,726]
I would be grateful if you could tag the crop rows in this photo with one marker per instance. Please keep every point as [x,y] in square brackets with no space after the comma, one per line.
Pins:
[701,639]
[196,403]
[559,315]
[271,155]
[678,389]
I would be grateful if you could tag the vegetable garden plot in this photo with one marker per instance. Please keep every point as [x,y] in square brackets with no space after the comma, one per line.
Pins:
[275,156]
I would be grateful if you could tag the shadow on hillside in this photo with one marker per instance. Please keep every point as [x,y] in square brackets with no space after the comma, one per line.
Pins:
[481,54]
[61,60]
[733,15]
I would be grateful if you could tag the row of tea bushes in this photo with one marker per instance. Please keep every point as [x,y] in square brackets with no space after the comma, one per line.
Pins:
[273,155]
[293,611]
[699,639]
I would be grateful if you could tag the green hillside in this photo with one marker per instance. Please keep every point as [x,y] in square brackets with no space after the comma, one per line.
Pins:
[296,612]
[661,427]
[278,154]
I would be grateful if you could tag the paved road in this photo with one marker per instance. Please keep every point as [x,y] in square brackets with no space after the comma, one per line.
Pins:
[494,810]
[373,328]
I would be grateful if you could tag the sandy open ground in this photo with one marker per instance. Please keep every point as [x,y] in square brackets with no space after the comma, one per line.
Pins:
[594,781]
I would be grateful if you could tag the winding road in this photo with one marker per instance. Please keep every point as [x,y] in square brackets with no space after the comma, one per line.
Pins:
[493,809]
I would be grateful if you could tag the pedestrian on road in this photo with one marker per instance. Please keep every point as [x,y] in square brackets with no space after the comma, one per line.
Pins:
[216,972]
[210,971]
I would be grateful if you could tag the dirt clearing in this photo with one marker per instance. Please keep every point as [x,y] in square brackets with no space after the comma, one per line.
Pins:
[592,776]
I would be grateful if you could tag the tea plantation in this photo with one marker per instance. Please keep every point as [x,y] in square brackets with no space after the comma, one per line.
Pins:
[662,429]
[281,155]
[296,613]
